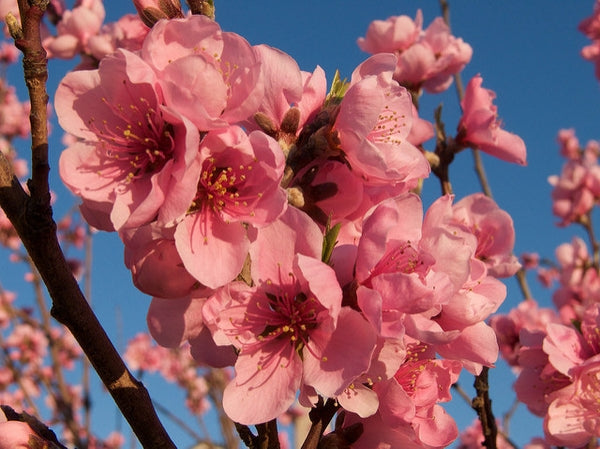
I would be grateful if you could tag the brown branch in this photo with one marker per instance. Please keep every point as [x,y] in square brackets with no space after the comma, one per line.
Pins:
[444,150]
[31,217]
[522,283]
[480,171]
[483,406]
[38,234]
[63,398]
[320,416]
[36,73]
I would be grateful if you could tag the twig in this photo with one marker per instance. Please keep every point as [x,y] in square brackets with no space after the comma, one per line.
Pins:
[177,420]
[63,399]
[85,375]
[483,406]
[217,382]
[462,393]
[320,416]
[523,285]
[480,171]
[508,416]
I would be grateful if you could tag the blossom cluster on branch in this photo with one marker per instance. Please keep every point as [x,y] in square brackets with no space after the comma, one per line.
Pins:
[276,223]
[227,171]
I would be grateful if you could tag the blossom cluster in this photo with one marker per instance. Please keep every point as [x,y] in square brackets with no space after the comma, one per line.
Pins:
[555,352]
[274,223]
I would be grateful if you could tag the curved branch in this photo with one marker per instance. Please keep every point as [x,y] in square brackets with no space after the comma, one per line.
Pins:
[31,216]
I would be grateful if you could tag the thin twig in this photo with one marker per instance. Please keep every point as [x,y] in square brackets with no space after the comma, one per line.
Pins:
[85,374]
[523,285]
[64,400]
[217,381]
[480,171]
[177,420]
[462,393]
[483,406]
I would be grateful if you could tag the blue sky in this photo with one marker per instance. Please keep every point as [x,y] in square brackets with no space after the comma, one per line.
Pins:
[527,52]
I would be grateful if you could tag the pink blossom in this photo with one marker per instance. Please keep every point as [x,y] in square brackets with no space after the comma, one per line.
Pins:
[156,266]
[127,33]
[574,415]
[28,344]
[75,28]
[409,414]
[480,127]
[210,76]
[422,278]
[395,260]
[426,58]
[569,144]
[508,327]
[238,185]
[373,123]
[576,190]
[538,378]
[290,329]
[292,332]
[14,115]
[590,27]
[396,33]
[135,159]
[421,129]
[494,230]
[530,261]
[580,283]
[9,54]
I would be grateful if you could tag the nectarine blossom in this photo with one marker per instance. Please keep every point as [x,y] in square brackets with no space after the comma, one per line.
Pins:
[479,125]
[212,77]
[134,155]
[426,58]
[238,186]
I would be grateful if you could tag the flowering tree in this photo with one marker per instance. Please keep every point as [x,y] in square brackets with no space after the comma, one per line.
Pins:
[278,225]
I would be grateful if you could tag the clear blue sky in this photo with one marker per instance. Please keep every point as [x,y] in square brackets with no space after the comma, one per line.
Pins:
[527,52]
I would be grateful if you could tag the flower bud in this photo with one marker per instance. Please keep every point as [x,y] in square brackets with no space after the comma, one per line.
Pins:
[151,11]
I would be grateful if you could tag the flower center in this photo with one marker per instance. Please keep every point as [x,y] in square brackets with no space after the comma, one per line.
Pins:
[138,143]
[289,317]
[221,188]
[404,258]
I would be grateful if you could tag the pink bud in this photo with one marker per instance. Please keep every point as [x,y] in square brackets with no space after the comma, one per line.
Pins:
[151,11]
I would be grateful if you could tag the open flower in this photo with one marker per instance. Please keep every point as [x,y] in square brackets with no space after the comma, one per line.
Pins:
[479,125]
[238,186]
[134,155]
[291,331]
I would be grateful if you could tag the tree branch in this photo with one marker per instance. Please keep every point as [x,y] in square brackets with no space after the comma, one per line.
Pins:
[483,406]
[31,216]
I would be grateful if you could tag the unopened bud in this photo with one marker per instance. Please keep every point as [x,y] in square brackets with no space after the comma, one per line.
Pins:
[151,11]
